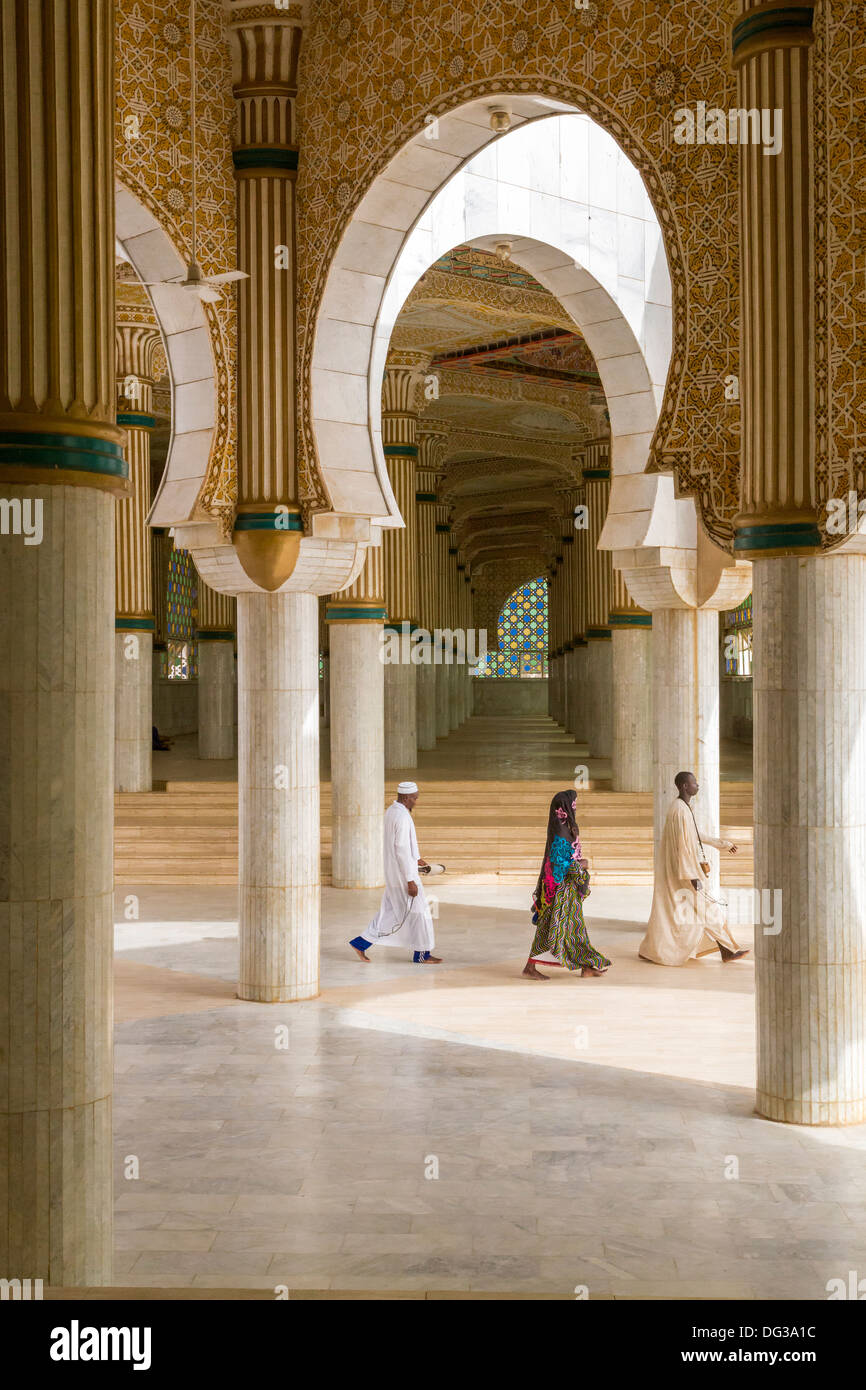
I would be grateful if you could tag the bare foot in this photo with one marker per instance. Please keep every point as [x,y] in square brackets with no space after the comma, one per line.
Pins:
[360,954]
[532,972]
[431,960]
[590,970]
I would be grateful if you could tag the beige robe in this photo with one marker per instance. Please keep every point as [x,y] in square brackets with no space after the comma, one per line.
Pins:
[683,923]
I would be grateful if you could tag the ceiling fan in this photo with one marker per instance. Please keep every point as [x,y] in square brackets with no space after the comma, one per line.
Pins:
[205,287]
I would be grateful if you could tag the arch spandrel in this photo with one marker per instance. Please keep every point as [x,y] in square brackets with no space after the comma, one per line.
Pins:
[199,426]
[629,83]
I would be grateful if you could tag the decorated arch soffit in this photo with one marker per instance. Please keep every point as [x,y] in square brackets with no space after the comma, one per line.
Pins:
[377,72]
[152,164]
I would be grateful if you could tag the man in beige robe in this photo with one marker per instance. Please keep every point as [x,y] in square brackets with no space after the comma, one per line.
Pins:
[684,922]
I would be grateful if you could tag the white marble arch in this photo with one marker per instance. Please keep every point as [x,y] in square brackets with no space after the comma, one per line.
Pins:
[576,211]
[191,367]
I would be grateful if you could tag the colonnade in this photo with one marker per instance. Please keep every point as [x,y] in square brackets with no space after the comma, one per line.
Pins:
[600,659]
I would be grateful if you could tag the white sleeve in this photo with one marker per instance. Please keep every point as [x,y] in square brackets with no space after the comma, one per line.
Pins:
[716,844]
[406,862]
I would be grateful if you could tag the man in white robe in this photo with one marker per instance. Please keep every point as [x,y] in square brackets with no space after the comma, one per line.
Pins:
[684,922]
[404,919]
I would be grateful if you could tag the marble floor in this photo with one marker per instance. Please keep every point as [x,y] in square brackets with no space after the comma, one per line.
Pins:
[459,1128]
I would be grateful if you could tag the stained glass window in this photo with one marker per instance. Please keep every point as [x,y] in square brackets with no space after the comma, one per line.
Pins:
[521,635]
[737,640]
[181,616]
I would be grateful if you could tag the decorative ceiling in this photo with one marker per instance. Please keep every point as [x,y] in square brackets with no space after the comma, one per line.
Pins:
[512,392]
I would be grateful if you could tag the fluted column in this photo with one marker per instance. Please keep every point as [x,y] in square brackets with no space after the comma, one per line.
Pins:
[215,636]
[454,719]
[425,497]
[771,55]
[685,666]
[599,671]
[444,651]
[160,548]
[809,681]
[569,579]
[810,837]
[631,653]
[278,797]
[265,48]
[355,617]
[133,713]
[580,654]
[278,675]
[61,466]
[400,564]
[552,657]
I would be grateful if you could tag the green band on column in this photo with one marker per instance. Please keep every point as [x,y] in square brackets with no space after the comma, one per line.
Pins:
[350,614]
[77,452]
[134,419]
[630,619]
[442,530]
[265,157]
[212,634]
[792,18]
[407,451]
[269,520]
[598,634]
[426,497]
[781,535]
[122,624]
[406,626]
[452,550]
[596,473]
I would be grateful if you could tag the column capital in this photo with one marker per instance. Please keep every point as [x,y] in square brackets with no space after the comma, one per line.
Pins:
[265,43]
[775,24]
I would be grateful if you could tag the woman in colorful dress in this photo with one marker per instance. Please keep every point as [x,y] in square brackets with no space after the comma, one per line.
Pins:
[557,904]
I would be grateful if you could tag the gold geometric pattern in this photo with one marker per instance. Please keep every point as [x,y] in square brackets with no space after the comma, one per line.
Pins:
[152,80]
[375,69]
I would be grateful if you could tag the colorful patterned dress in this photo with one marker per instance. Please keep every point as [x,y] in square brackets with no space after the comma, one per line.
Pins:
[561,938]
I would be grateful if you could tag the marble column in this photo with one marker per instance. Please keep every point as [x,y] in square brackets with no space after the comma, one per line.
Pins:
[599,587]
[278,797]
[632,732]
[599,694]
[552,685]
[61,467]
[631,638]
[454,709]
[429,446]
[325,703]
[443,706]
[215,637]
[809,682]
[400,559]
[810,837]
[134,624]
[685,667]
[160,547]
[567,694]
[354,619]
[443,622]
[573,665]
[581,559]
